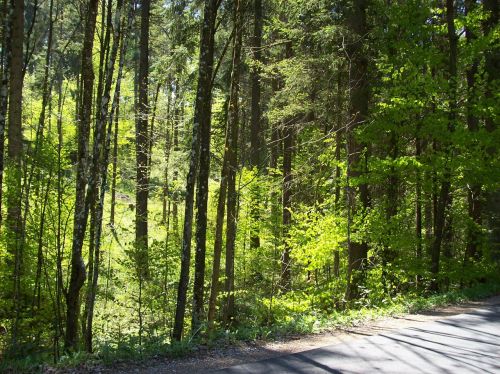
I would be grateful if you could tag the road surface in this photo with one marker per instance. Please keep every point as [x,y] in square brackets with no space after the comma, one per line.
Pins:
[465,343]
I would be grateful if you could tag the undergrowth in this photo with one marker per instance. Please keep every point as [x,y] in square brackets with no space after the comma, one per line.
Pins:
[276,328]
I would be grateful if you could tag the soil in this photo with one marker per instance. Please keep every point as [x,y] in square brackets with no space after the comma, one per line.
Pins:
[205,359]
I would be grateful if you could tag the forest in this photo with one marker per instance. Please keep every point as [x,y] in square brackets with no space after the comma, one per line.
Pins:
[174,172]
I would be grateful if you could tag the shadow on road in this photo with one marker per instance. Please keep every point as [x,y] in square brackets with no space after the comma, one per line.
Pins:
[468,343]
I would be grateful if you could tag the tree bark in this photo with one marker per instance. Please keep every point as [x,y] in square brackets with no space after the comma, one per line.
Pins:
[474,189]
[14,153]
[105,122]
[142,148]
[167,151]
[77,277]
[288,141]
[4,90]
[359,98]
[256,142]
[444,199]
[5,57]
[492,69]
[418,204]
[219,228]
[338,148]
[232,164]
[389,254]
[175,177]
[114,173]
[201,125]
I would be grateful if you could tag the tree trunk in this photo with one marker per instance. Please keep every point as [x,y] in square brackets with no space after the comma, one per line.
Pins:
[14,152]
[492,68]
[167,151]
[357,250]
[288,135]
[59,240]
[106,122]
[142,149]
[152,129]
[114,172]
[389,254]
[418,204]
[219,228]
[77,277]
[5,58]
[444,199]
[15,136]
[256,153]
[175,176]
[232,164]
[201,125]
[338,148]
[474,190]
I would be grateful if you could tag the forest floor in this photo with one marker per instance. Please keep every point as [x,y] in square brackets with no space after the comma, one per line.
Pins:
[204,359]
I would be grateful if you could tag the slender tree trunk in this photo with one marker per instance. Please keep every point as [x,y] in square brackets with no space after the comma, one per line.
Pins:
[114,172]
[492,69]
[219,228]
[46,87]
[152,128]
[201,125]
[59,240]
[474,189]
[105,37]
[175,176]
[359,97]
[444,199]
[275,148]
[166,190]
[35,303]
[142,148]
[338,148]
[256,153]
[14,152]
[106,122]
[418,205]
[95,160]
[288,141]
[77,277]
[4,89]
[492,64]
[232,164]
[93,180]
[167,152]
[389,255]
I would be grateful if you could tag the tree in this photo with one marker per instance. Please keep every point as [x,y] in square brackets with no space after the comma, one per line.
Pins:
[232,163]
[77,277]
[358,198]
[256,155]
[15,149]
[142,147]
[101,157]
[201,130]
[4,88]
[444,199]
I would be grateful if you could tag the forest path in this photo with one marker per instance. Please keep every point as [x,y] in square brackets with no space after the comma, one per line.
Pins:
[377,340]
